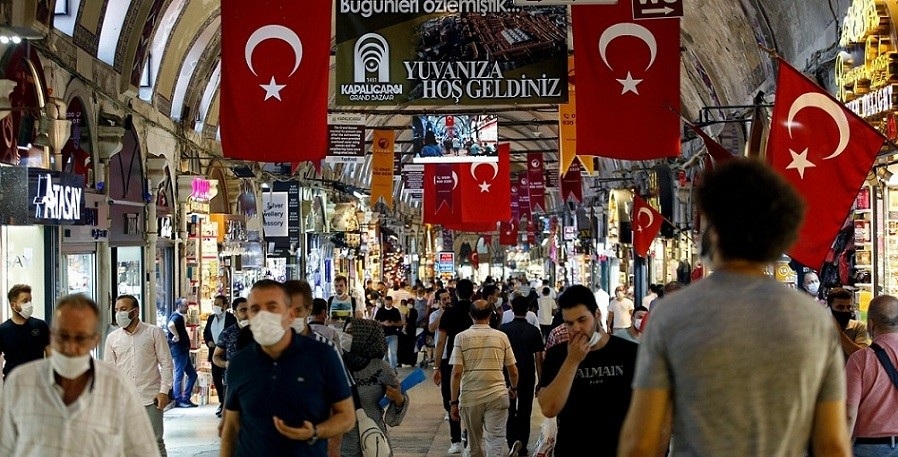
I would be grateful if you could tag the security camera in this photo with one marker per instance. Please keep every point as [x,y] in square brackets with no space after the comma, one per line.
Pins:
[110,202]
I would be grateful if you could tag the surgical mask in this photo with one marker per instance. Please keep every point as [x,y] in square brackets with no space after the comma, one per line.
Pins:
[266,327]
[69,367]
[638,324]
[243,323]
[27,310]
[123,318]
[299,324]
[216,310]
[499,301]
[595,338]
[346,342]
[813,288]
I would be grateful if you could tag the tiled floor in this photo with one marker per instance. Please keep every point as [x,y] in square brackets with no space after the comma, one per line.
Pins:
[192,432]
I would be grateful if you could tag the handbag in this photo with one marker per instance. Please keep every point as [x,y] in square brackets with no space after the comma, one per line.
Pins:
[886,363]
[372,440]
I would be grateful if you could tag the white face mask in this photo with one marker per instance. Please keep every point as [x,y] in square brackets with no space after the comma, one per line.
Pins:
[346,342]
[637,323]
[69,367]
[266,327]
[813,287]
[243,323]
[595,338]
[123,318]
[299,324]
[216,310]
[27,310]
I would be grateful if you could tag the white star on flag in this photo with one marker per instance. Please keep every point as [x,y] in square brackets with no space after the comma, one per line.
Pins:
[800,162]
[629,84]
[484,187]
[272,89]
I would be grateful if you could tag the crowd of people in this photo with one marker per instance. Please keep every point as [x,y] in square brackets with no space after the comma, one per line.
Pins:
[735,364]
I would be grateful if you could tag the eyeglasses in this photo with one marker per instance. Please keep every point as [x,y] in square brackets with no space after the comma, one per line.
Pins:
[81,340]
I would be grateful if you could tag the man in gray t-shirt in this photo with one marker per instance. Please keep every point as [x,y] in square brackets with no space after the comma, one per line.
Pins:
[747,366]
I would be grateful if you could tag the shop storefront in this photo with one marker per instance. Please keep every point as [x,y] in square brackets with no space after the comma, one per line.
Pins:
[165,253]
[127,193]
[281,226]
[28,217]
[200,267]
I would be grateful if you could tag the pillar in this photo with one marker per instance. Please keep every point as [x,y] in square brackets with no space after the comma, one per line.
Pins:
[155,171]
[109,143]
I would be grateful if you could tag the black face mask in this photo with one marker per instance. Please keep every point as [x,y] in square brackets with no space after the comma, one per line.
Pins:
[842,317]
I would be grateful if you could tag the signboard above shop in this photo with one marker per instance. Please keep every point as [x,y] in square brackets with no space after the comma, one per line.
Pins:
[519,56]
[50,197]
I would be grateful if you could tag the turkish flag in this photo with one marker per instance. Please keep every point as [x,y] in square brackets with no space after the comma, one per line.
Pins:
[508,233]
[825,151]
[485,189]
[646,225]
[718,153]
[440,205]
[628,78]
[275,58]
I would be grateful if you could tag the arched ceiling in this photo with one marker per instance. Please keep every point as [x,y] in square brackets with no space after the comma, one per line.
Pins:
[178,42]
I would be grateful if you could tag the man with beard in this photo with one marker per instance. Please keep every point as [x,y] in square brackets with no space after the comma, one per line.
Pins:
[853,334]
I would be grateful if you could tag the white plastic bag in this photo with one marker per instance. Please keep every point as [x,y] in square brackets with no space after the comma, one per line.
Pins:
[545,445]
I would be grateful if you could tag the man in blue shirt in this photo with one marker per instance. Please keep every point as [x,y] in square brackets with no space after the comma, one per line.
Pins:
[286,395]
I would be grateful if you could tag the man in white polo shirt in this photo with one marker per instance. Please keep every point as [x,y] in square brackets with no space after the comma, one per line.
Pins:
[480,394]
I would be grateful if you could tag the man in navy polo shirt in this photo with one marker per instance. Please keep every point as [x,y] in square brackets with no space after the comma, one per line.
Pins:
[286,395]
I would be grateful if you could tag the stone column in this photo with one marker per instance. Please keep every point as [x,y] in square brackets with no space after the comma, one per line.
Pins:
[109,143]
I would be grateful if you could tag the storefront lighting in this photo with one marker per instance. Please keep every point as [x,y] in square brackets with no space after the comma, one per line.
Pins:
[265,185]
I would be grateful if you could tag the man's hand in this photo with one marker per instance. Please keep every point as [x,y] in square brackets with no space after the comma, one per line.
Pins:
[175,338]
[211,344]
[303,433]
[453,413]
[512,393]
[161,401]
[578,347]
[437,376]
[395,395]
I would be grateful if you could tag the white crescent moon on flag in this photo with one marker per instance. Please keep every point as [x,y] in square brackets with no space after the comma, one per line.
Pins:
[645,210]
[816,100]
[273,32]
[628,29]
[493,164]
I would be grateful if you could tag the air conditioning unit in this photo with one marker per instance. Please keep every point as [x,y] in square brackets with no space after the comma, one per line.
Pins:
[30,19]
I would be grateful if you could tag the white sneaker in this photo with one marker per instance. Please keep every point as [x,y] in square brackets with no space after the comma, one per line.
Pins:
[446,416]
[456,448]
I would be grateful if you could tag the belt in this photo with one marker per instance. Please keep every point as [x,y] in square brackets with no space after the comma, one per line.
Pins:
[893,440]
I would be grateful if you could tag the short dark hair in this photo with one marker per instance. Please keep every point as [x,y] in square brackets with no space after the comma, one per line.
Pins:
[223,299]
[520,305]
[341,278]
[439,292]
[131,298]
[464,289]
[16,290]
[264,284]
[546,291]
[489,290]
[319,305]
[640,308]
[755,212]
[237,301]
[577,295]
[838,293]
[299,287]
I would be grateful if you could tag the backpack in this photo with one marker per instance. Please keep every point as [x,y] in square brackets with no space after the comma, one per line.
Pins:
[371,438]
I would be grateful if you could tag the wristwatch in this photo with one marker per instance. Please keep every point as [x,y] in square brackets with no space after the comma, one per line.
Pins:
[453,403]
[314,437]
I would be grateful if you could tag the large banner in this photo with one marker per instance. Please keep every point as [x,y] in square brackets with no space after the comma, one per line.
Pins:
[437,52]
[382,167]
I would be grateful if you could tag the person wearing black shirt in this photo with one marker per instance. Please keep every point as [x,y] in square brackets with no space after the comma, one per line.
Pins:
[527,346]
[391,319]
[455,320]
[179,343]
[22,337]
[587,382]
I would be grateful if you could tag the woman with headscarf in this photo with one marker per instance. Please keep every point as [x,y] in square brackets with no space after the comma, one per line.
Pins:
[364,347]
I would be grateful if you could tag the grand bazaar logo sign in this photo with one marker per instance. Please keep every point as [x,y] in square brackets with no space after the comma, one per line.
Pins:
[867,67]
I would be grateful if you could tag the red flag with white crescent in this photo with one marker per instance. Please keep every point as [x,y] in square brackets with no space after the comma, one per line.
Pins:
[508,233]
[275,58]
[440,205]
[485,189]
[646,225]
[825,151]
[628,78]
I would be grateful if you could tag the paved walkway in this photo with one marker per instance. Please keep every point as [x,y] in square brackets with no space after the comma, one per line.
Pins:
[192,432]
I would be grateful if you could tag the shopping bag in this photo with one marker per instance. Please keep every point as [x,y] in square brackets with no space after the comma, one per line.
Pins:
[545,444]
